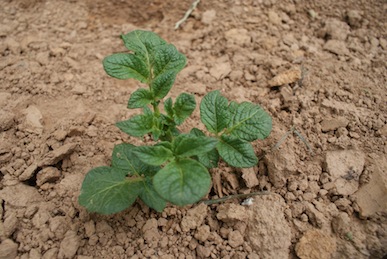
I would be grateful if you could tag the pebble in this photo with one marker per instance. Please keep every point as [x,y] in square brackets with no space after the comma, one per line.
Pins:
[69,245]
[345,168]
[336,47]
[314,244]
[48,174]
[57,155]
[8,249]
[33,118]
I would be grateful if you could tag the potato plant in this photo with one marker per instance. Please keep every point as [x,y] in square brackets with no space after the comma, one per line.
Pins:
[175,167]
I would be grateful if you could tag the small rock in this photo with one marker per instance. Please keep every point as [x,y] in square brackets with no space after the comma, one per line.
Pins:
[203,252]
[341,224]
[10,224]
[315,217]
[12,45]
[333,124]
[8,249]
[51,253]
[235,239]
[371,197]
[280,165]
[47,175]
[345,168]
[286,77]
[237,36]
[268,231]
[150,231]
[354,18]
[7,120]
[274,18]
[69,245]
[314,244]
[202,233]
[335,29]
[32,120]
[208,16]
[232,212]
[43,58]
[29,172]
[194,217]
[25,195]
[250,177]
[220,70]
[336,47]
[57,155]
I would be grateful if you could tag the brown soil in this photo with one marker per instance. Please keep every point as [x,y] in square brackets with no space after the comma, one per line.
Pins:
[317,66]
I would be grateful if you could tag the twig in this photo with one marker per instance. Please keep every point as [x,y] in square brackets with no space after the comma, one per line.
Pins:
[187,14]
[235,196]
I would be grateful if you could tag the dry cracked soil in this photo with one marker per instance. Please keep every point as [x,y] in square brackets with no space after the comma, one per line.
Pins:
[318,68]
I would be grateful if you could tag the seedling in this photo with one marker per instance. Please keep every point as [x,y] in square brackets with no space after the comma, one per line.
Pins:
[175,168]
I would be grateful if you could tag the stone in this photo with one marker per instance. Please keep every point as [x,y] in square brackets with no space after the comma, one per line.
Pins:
[235,239]
[371,197]
[345,168]
[194,217]
[267,230]
[47,175]
[220,70]
[336,47]
[354,18]
[335,29]
[280,165]
[203,252]
[29,172]
[286,77]
[53,157]
[232,212]
[249,176]
[7,120]
[8,249]
[314,244]
[33,118]
[274,18]
[202,233]
[26,195]
[208,16]
[238,36]
[69,245]
[333,124]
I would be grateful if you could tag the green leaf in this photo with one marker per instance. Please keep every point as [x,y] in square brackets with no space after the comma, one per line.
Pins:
[137,126]
[161,85]
[182,182]
[153,155]
[107,191]
[249,122]
[124,159]
[184,106]
[143,44]
[213,112]
[151,198]
[237,152]
[168,107]
[125,66]
[187,145]
[140,98]
[209,159]
[168,58]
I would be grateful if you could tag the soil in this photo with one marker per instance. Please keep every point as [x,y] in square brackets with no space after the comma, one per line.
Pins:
[318,67]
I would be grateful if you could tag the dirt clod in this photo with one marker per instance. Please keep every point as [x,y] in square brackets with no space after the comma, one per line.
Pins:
[314,244]
[8,249]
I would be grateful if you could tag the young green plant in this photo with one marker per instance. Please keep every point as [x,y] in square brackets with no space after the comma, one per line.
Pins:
[175,168]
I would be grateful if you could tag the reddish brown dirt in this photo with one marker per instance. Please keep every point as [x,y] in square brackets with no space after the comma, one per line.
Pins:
[316,66]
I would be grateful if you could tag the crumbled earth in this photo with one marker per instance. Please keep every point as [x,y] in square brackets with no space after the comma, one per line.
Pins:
[318,67]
